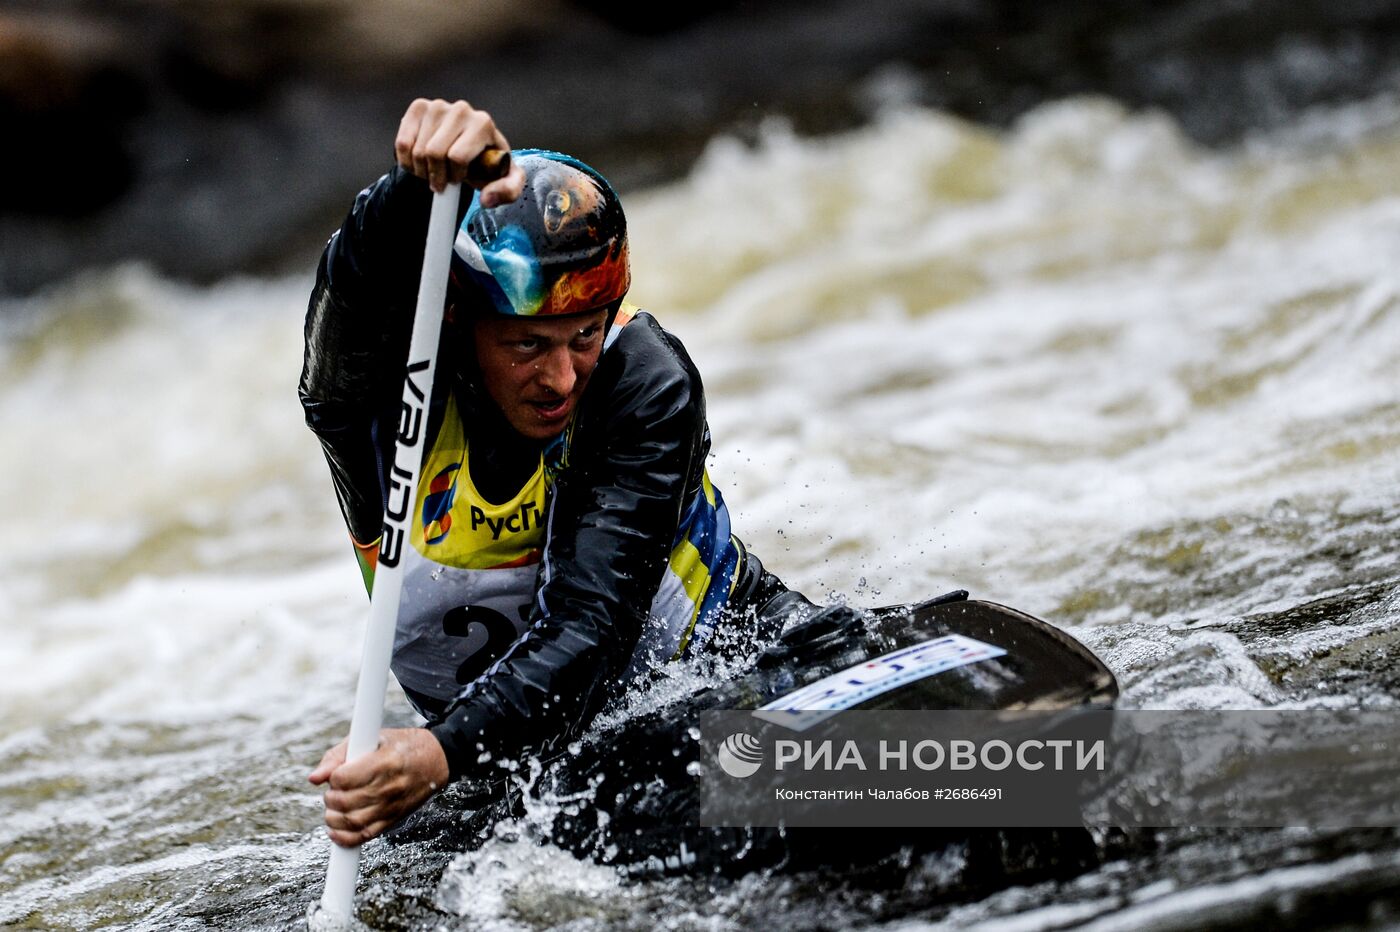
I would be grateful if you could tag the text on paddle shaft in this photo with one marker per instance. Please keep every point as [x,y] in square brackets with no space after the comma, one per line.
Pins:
[514,523]
[400,499]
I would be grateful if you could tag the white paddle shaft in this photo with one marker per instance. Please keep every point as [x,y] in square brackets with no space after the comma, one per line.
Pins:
[339,897]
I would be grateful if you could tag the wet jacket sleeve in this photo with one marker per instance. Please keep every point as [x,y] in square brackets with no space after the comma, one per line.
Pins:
[636,459]
[357,330]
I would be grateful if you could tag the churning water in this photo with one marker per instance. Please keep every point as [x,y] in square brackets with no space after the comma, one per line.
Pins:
[1082,367]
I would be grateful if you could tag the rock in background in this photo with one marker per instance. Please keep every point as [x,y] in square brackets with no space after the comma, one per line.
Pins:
[218,136]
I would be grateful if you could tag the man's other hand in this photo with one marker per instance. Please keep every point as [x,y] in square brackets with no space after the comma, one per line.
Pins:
[438,139]
[371,793]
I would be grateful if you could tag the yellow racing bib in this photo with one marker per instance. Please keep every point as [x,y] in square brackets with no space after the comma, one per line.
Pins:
[457,526]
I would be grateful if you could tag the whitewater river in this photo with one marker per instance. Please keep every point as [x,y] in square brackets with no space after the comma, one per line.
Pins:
[1083,367]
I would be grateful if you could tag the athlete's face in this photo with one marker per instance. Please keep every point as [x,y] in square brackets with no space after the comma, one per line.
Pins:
[535,369]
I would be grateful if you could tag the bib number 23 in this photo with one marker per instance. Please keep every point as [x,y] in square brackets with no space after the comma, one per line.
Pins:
[500,634]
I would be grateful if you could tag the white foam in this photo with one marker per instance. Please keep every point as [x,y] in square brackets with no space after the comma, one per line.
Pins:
[1075,367]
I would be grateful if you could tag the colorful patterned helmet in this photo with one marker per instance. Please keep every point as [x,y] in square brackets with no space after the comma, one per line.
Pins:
[560,248]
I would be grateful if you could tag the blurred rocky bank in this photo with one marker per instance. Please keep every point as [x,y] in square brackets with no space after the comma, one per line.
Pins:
[218,136]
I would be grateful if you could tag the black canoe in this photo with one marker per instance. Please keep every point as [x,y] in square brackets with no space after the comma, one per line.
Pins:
[634,800]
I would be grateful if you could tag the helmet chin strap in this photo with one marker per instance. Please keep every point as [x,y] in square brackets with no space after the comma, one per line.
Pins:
[613,310]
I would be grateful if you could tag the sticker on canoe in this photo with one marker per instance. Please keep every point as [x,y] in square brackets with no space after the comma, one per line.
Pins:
[820,700]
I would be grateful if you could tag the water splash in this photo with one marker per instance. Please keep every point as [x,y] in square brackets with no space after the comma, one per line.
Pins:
[1081,366]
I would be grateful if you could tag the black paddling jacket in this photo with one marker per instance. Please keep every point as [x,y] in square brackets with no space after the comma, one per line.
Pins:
[628,498]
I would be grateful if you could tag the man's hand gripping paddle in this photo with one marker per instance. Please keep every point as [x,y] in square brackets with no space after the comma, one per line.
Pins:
[338,900]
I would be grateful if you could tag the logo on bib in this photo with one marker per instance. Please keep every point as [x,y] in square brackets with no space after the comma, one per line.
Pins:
[437,505]
[514,523]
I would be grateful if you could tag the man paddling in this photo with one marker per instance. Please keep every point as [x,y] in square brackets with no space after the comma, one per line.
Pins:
[565,536]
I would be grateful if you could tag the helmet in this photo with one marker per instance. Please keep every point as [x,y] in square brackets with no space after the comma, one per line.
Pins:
[560,248]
